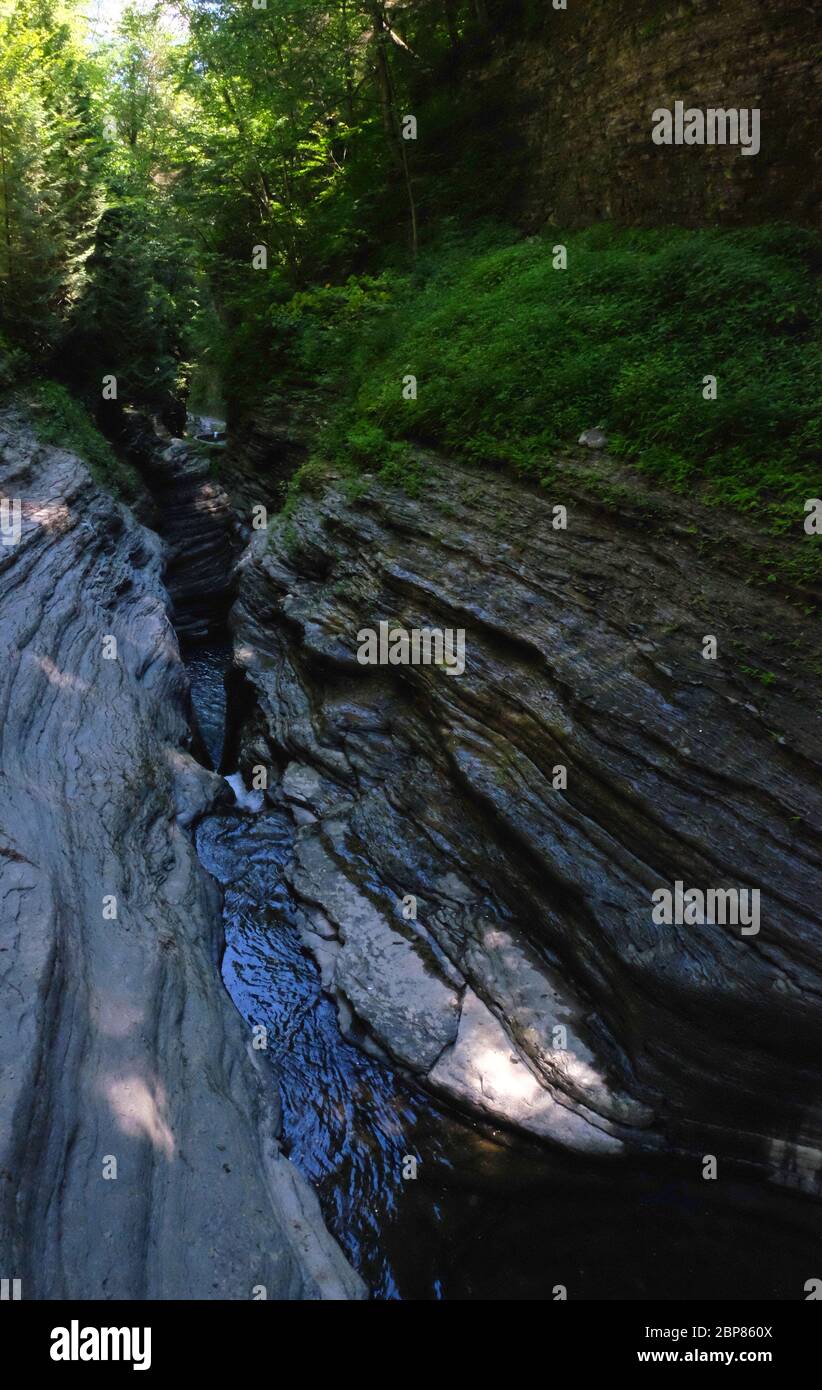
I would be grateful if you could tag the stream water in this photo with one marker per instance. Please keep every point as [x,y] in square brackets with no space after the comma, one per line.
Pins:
[488,1216]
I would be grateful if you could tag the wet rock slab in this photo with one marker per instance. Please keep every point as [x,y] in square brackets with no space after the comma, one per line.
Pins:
[532,892]
[117,1043]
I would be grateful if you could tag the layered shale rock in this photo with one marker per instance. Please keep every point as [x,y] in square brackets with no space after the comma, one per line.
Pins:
[200,531]
[491,926]
[264,450]
[138,1150]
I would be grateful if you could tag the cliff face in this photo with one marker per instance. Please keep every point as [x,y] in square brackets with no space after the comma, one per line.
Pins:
[582,87]
[492,926]
[194,517]
[137,1150]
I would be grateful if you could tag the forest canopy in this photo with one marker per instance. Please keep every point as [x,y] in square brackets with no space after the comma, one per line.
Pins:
[140,166]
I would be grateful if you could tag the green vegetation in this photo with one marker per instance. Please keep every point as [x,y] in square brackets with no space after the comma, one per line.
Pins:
[142,173]
[95,274]
[62,420]
[514,358]
[14,364]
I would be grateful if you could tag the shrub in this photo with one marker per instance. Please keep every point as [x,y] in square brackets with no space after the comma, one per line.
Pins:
[515,358]
[60,419]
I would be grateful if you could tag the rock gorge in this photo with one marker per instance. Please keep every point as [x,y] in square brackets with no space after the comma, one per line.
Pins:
[409,574]
[116,1040]
[532,983]
[481,922]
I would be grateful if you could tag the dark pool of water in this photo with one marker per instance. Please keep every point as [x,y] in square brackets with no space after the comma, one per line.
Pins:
[488,1216]
[206,666]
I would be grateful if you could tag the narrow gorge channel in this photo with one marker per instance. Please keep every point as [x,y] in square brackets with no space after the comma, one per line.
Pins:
[489,1215]
[411,696]
[578,1169]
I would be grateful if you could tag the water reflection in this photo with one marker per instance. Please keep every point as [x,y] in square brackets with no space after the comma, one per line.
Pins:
[206,666]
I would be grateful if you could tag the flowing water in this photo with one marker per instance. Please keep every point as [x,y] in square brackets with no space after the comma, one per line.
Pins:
[488,1216]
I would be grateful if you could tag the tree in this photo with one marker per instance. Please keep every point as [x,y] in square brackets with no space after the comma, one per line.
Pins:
[51,152]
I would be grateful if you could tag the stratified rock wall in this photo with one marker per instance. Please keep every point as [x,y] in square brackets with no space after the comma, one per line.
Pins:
[570,95]
[137,1148]
[533,983]
[200,531]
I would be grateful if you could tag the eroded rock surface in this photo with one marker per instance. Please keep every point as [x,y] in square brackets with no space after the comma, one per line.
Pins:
[117,1043]
[200,531]
[545,994]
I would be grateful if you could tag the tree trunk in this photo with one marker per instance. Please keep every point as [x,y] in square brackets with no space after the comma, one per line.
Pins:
[390,115]
[5,184]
